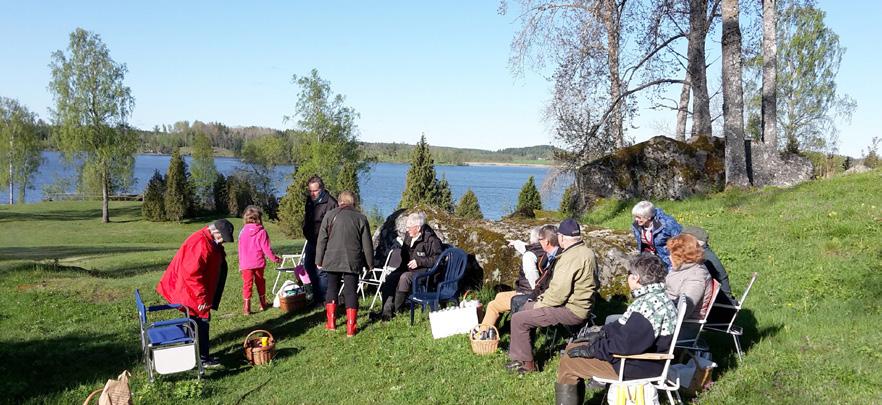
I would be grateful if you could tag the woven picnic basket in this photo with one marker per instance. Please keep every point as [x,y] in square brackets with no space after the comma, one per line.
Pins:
[482,347]
[254,352]
[292,303]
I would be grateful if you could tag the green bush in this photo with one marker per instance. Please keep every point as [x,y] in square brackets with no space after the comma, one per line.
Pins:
[178,192]
[240,194]
[153,208]
[568,202]
[219,193]
[420,186]
[529,198]
[445,197]
[468,206]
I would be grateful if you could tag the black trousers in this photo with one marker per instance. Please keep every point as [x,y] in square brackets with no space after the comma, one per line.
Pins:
[202,335]
[350,285]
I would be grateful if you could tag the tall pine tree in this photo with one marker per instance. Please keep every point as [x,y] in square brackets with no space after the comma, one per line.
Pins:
[178,196]
[468,206]
[529,198]
[421,186]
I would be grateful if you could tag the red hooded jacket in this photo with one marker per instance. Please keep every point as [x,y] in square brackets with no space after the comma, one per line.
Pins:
[192,276]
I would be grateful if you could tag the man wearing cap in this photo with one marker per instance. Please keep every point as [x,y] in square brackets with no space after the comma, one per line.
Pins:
[195,278]
[567,301]
[712,262]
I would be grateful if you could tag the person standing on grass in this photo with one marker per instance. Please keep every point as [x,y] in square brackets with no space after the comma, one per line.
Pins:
[318,204]
[652,228]
[344,248]
[196,276]
[254,244]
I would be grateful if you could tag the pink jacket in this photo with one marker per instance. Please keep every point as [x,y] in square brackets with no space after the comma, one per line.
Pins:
[254,243]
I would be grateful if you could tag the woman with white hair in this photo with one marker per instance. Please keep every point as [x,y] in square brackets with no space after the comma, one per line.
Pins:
[652,228]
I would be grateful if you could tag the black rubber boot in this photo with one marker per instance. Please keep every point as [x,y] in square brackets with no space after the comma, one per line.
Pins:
[568,394]
[399,300]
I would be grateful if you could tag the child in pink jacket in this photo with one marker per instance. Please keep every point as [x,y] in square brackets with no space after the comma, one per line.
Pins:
[254,244]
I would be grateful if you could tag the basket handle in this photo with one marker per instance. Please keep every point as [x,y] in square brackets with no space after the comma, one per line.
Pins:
[92,395]
[465,295]
[245,343]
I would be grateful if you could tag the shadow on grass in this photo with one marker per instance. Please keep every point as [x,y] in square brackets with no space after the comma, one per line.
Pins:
[78,214]
[62,252]
[723,346]
[39,368]
[54,267]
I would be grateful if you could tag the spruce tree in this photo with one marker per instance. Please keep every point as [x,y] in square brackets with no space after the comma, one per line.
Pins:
[153,208]
[347,180]
[468,206]
[420,187]
[219,191]
[203,172]
[178,196]
[529,198]
[445,197]
[568,202]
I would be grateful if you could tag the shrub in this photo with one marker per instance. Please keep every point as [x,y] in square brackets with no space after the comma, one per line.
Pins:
[240,194]
[445,197]
[178,192]
[421,186]
[568,202]
[529,198]
[468,206]
[219,191]
[153,208]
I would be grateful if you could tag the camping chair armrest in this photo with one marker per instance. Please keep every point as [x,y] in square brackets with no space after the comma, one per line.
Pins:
[170,322]
[727,306]
[645,356]
[163,307]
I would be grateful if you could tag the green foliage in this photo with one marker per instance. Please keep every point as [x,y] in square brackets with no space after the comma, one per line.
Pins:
[445,197]
[468,206]
[203,173]
[402,152]
[20,147]
[327,146]
[375,218]
[240,194]
[153,208]
[568,202]
[219,193]
[178,194]
[92,106]
[871,157]
[529,198]
[420,186]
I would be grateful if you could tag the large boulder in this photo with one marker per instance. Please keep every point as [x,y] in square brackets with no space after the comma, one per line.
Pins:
[493,263]
[666,169]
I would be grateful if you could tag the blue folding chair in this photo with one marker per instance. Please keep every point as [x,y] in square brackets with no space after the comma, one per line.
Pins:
[454,261]
[168,346]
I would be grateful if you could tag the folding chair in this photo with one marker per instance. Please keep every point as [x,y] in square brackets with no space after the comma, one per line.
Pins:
[377,276]
[660,382]
[694,327]
[168,346]
[294,260]
[730,327]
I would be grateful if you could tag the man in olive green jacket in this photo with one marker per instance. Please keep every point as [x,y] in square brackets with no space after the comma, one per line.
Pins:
[567,300]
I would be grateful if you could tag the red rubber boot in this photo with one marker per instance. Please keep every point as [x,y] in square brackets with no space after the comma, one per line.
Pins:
[330,313]
[351,317]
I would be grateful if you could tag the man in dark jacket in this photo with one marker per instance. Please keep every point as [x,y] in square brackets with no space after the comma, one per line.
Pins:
[344,248]
[420,250]
[647,326]
[318,203]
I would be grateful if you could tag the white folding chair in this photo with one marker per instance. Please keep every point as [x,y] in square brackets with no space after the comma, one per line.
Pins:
[660,382]
[730,327]
[294,260]
[377,275]
[694,326]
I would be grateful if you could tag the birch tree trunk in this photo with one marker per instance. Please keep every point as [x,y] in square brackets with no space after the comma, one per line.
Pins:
[733,98]
[769,107]
[696,69]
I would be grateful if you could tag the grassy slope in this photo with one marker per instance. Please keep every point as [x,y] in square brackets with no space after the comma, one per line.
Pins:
[811,321]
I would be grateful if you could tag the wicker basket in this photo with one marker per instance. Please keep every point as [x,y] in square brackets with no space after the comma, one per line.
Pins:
[257,354]
[292,303]
[482,347]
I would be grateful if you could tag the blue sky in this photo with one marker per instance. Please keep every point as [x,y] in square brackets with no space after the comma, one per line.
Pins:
[406,67]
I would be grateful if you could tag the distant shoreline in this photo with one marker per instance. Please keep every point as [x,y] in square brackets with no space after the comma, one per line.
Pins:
[507,164]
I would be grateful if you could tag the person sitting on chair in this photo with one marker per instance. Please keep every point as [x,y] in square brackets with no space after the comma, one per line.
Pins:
[688,275]
[537,259]
[713,264]
[652,228]
[420,250]
[196,276]
[647,326]
[567,301]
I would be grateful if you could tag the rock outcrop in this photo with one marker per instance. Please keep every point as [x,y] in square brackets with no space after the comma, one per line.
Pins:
[665,169]
[492,263]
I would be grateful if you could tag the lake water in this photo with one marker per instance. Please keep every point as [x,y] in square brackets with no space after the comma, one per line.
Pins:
[497,187]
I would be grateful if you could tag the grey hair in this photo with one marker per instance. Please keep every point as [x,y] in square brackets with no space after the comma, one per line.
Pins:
[415,219]
[534,235]
[643,209]
[648,267]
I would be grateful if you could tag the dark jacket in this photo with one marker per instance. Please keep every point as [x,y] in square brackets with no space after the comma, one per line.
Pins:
[546,266]
[523,285]
[314,213]
[664,227]
[634,337]
[425,249]
[344,242]
[718,272]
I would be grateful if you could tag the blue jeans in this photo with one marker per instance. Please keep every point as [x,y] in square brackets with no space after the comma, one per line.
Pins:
[319,278]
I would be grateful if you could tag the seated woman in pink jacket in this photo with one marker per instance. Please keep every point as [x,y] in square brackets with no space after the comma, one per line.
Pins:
[254,244]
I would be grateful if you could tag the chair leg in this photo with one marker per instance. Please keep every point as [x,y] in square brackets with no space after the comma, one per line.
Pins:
[278,275]
[412,309]
[737,346]
[670,397]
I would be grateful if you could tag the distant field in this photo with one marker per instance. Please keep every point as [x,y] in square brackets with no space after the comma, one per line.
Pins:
[68,322]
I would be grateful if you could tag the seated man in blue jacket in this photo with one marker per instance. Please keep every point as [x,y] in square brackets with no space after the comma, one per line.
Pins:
[646,326]
[652,228]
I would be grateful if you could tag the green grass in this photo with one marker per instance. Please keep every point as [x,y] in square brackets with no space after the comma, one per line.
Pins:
[68,323]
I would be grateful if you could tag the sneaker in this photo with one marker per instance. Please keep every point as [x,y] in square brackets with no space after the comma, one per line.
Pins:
[211,362]
[513,365]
